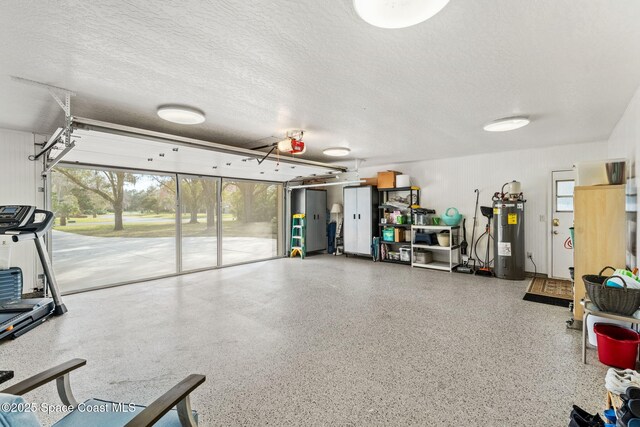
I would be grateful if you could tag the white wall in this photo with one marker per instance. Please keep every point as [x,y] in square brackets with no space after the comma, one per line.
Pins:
[19,182]
[625,142]
[450,183]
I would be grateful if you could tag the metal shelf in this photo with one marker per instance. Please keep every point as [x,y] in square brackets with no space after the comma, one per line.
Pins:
[436,227]
[393,261]
[399,189]
[436,247]
[395,225]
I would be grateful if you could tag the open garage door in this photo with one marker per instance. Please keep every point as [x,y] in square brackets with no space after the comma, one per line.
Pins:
[133,205]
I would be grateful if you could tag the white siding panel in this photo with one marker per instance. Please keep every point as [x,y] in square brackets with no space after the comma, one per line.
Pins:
[19,179]
[624,142]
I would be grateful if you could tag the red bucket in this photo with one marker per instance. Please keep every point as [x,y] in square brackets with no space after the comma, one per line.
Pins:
[617,346]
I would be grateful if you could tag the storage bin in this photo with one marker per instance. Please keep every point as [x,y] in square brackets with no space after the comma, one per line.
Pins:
[403,181]
[617,347]
[422,257]
[10,284]
[388,234]
[5,255]
[592,320]
[444,239]
[405,253]
[624,301]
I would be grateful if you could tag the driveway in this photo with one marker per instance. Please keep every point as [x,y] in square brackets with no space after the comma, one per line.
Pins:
[85,261]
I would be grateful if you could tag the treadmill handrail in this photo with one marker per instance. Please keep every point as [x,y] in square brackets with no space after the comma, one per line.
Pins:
[36,229]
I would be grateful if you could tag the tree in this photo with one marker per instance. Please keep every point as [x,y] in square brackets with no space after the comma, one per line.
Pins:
[194,194]
[65,207]
[108,185]
[209,192]
[86,203]
[150,201]
[191,192]
[250,201]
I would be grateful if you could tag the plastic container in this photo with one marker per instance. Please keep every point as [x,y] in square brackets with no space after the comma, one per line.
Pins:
[617,347]
[405,254]
[5,255]
[394,256]
[403,181]
[444,239]
[388,234]
[451,217]
[422,257]
[593,319]
[572,234]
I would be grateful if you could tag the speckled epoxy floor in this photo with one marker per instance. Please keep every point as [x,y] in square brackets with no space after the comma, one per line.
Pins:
[324,341]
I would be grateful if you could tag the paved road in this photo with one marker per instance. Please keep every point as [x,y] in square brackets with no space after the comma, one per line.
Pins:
[85,261]
[126,219]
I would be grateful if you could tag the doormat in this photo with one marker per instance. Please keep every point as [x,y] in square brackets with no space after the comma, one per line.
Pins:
[550,291]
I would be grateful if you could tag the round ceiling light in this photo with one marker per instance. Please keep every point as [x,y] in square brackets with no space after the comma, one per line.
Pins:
[397,13]
[507,124]
[337,152]
[181,114]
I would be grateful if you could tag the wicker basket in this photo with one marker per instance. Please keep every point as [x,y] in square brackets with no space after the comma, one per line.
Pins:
[622,301]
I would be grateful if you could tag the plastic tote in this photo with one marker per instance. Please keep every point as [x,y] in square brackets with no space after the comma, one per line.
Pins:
[593,319]
[5,255]
[617,347]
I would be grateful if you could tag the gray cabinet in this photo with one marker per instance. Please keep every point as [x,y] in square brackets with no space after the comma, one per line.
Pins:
[360,219]
[312,203]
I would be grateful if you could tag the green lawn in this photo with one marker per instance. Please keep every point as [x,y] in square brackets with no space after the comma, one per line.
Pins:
[108,219]
[150,229]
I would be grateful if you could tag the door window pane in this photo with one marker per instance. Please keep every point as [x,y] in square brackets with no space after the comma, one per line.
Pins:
[199,234]
[251,219]
[112,226]
[564,204]
[565,188]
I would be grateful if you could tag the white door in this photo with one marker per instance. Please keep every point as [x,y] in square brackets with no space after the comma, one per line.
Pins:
[350,230]
[561,219]
[364,220]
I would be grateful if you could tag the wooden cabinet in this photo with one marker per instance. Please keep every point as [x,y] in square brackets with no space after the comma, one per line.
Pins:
[312,203]
[360,219]
[599,227]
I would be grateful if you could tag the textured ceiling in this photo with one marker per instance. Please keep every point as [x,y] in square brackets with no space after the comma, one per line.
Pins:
[260,67]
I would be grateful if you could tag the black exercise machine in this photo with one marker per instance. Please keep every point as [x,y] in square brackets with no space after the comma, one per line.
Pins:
[19,315]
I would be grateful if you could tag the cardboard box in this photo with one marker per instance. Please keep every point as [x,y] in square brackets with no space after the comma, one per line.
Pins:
[370,181]
[399,235]
[387,179]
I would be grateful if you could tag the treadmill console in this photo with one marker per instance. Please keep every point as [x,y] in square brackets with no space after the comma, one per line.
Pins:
[15,216]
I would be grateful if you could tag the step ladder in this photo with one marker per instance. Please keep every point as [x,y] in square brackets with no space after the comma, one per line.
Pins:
[298,233]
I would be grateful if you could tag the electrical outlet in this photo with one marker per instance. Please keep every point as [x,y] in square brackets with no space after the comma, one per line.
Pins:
[529,254]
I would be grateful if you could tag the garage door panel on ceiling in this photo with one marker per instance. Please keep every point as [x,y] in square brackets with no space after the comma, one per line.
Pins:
[103,148]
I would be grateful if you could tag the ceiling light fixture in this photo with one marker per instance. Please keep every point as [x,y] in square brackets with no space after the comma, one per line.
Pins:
[181,114]
[337,152]
[397,13]
[507,124]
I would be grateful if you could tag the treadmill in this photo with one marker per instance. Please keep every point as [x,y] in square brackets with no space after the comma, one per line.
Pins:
[20,315]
